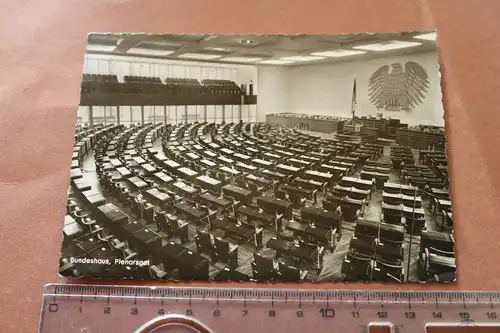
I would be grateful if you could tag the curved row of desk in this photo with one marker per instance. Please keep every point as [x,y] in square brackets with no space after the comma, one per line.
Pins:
[234,202]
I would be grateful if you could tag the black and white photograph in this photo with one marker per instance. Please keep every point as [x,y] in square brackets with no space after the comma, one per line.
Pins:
[269,158]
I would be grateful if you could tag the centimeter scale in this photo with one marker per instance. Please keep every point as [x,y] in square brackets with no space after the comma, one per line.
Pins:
[92,309]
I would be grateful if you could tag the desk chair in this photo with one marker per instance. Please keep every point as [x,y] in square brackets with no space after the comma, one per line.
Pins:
[415,226]
[127,252]
[123,192]
[288,273]
[160,220]
[70,205]
[254,188]
[349,213]
[136,206]
[329,205]
[148,180]
[263,269]
[280,194]
[387,272]
[105,237]
[226,252]
[393,252]
[79,214]
[391,218]
[363,246]
[356,267]
[160,187]
[203,242]
[179,228]
[148,212]
[118,244]
[157,272]
[66,268]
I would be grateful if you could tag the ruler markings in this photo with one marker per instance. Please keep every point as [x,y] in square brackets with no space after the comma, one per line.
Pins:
[354,307]
[278,295]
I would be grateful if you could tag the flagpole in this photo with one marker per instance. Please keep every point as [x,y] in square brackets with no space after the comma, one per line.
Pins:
[354,99]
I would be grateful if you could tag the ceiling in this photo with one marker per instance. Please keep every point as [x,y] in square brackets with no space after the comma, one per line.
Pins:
[279,49]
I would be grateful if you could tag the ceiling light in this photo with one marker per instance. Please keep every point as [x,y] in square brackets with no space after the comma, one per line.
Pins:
[159,43]
[246,41]
[303,58]
[201,56]
[137,50]
[241,59]
[100,48]
[220,49]
[386,46]
[276,62]
[428,36]
[337,53]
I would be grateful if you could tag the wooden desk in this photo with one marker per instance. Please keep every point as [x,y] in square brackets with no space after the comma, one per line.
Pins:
[243,195]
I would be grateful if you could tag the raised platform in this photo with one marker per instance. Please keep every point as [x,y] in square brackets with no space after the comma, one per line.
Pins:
[321,125]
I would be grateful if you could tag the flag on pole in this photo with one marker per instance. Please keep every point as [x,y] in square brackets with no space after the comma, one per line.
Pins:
[354,100]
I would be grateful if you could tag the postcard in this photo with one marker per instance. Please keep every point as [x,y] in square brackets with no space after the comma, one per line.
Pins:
[297,158]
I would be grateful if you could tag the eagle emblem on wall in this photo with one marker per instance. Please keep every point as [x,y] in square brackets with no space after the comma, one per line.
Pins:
[394,89]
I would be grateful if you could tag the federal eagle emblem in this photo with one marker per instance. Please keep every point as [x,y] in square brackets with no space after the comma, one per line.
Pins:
[393,89]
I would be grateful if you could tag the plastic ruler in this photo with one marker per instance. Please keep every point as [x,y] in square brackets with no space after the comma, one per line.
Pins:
[91,309]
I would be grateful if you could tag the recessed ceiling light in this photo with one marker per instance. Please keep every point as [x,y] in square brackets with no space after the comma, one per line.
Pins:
[386,46]
[137,50]
[246,41]
[159,43]
[276,62]
[220,49]
[337,53]
[241,59]
[201,56]
[100,48]
[303,58]
[428,36]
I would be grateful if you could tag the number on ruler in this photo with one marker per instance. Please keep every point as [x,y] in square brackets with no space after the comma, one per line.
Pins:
[464,315]
[327,313]
[382,315]
[355,314]
[492,315]
[410,315]
[216,313]
[300,314]
[437,315]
